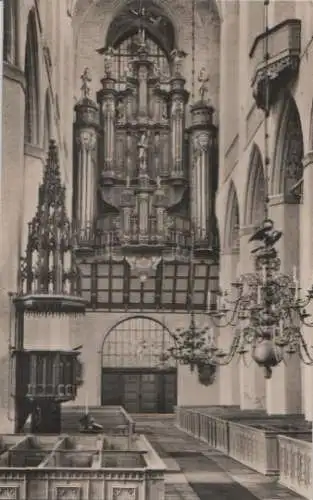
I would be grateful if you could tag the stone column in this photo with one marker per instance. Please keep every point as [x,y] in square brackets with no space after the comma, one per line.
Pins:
[12,214]
[306,275]
[283,390]
[229,374]
[178,97]
[86,133]
[106,98]
[252,382]
[203,143]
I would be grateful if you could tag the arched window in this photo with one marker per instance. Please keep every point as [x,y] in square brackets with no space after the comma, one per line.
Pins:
[232,221]
[288,170]
[123,36]
[135,373]
[255,193]
[32,83]
[9,31]
[136,342]
[125,51]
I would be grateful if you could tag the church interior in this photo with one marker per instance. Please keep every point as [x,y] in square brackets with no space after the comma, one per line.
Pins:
[155,202]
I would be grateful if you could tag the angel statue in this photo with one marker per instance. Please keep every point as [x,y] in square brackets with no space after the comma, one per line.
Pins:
[203,78]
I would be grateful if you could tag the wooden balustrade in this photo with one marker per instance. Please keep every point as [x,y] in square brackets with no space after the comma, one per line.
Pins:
[253,440]
[255,447]
[295,467]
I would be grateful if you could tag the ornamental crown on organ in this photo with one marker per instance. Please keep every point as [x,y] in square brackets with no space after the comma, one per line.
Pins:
[140,176]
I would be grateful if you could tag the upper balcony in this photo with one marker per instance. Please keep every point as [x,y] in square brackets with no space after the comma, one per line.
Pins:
[284,46]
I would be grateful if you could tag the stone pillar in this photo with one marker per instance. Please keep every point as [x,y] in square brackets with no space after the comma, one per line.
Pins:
[178,98]
[203,143]
[252,382]
[283,390]
[106,98]
[306,275]
[86,132]
[229,374]
[12,206]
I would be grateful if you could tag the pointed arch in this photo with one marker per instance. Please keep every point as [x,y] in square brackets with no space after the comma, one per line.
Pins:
[255,192]
[156,23]
[287,167]
[32,96]
[232,226]
[47,131]
[10,31]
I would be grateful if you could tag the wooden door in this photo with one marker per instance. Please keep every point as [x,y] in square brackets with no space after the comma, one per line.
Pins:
[170,391]
[132,393]
[112,388]
[149,393]
[140,391]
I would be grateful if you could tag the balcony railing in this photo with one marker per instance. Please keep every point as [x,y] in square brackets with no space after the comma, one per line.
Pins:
[284,46]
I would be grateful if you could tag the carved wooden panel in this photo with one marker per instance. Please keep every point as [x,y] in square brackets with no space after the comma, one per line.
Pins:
[9,493]
[124,493]
[68,493]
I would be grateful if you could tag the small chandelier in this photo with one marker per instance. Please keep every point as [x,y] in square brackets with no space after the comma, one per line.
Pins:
[195,346]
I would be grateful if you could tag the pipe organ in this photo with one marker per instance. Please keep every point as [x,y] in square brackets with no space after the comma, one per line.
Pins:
[144,190]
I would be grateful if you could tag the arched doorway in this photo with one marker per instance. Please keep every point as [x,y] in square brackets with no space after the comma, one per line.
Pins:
[134,373]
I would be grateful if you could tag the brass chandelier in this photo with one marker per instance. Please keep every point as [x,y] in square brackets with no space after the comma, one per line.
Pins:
[264,308]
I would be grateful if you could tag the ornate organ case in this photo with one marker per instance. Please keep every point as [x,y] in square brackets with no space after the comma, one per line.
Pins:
[143,182]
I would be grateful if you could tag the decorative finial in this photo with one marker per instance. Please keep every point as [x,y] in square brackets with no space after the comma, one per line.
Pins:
[86,79]
[203,78]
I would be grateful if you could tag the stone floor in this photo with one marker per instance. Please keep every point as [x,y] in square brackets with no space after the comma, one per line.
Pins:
[196,472]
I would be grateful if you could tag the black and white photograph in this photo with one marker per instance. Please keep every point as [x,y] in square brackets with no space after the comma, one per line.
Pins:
[156,249]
